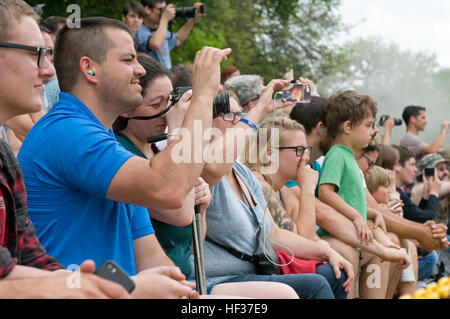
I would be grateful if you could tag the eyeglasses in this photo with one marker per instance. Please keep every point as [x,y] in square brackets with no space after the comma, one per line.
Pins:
[299,150]
[42,52]
[371,163]
[442,168]
[231,116]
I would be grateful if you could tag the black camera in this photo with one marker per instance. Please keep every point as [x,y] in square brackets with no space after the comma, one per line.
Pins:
[384,118]
[221,102]
[178,93]
[188,12]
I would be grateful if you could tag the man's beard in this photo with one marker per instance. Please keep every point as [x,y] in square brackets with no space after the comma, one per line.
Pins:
[114,99]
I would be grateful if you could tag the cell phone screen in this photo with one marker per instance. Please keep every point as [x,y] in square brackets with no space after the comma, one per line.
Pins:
[429,171]
[296,93]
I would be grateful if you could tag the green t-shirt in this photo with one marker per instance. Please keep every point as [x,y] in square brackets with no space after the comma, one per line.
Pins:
[175,240]
[341,169]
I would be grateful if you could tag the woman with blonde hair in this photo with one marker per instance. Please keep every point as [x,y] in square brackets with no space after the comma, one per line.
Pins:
[282,154]
[279,153]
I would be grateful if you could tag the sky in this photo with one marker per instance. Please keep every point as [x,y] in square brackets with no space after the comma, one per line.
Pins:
[421,26]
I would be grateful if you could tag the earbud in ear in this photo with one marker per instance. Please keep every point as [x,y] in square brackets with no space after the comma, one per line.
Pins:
[90,72]
[272,155]
[321,130]
[347,128]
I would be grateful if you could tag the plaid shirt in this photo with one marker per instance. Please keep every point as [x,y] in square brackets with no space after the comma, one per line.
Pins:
[18,242]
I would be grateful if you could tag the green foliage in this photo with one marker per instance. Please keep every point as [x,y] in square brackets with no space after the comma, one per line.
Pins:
[268,37]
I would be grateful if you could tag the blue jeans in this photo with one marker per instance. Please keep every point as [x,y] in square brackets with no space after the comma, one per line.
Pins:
[426,265]
[322,285]
[336,284]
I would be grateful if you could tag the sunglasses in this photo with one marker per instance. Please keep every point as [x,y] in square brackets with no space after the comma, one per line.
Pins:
[299,150]
[41,52]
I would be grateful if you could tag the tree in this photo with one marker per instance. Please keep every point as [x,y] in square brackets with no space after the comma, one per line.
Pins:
[395,78]
[267,37]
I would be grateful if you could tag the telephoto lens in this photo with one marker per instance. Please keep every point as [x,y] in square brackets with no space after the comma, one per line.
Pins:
[384,118]
[185,12]
[188,12]
[221,104]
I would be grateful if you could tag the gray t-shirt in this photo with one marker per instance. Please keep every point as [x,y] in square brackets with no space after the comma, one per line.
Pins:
[413,143]
[231,223]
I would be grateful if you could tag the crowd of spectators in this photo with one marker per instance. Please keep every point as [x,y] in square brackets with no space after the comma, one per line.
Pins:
[101,159]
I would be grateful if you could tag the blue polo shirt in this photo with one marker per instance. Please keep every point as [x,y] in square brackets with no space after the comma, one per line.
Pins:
[68,160]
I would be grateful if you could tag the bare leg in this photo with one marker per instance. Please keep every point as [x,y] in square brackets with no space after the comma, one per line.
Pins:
[254,289]
[374,277]
[394,271]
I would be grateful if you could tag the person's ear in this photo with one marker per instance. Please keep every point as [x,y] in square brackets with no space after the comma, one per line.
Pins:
[321,128]
[269,157]
[347,126]
[88,69]
[147,9]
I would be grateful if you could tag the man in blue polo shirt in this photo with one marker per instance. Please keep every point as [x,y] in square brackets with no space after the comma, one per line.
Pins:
[64,168]
[82,185]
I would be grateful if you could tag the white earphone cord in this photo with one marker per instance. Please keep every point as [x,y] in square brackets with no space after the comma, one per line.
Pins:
[264,215]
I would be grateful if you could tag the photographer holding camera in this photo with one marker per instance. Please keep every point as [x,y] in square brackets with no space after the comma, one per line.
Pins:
[154,37]
[388,123]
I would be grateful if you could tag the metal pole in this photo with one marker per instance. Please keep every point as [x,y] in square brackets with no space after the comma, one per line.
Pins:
[199,261]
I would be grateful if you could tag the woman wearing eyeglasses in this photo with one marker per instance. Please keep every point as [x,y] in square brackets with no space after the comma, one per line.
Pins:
[277,163]
[283,155]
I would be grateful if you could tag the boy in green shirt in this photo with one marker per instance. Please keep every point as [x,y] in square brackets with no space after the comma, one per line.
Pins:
[350,120]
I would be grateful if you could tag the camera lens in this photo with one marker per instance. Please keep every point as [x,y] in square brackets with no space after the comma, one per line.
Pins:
[221,104]
[186,12]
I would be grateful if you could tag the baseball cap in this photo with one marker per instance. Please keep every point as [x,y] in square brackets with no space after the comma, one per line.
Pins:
[430,160]
[247,87]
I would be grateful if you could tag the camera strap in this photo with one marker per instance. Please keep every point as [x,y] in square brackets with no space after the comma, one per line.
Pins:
[237,253]
[152,116]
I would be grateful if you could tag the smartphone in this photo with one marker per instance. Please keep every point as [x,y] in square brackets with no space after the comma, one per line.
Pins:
[111,271]
[296,93]
[429,171]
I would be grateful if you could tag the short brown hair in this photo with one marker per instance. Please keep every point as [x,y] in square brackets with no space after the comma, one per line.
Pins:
[89,40]
[388,156]
[135,7]
[348,106]
[13,9]
[404,154]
